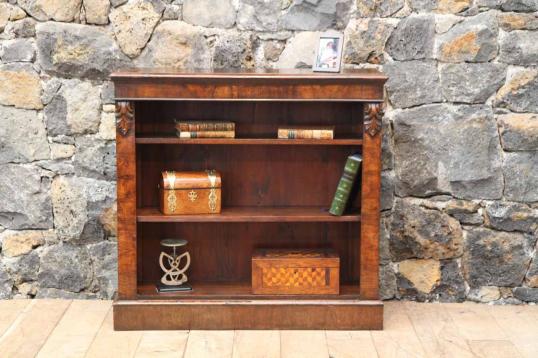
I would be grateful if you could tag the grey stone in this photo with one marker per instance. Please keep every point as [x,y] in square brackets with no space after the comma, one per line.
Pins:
[384,240]
[19,50]
[472,40]
[493,258]
[519,48]
[469,219]
[176,44]
[387,282]
[310,15]
[6,284]
[65,267]
[417,232]
[116,3]
[520,5]
[471,82]
[509,21]
[107,92]
[27,204]
[519,131]
[387,189]
[452,286]
[344,12]
[440,6]
[60,167]
[521,176]
[23,268]
[526,294]
[21,28]
[299,51]
[519,92]
[365,40]
[387,154]
[512,217]
[412,83]
[377,8]
[532,274]
[23,137]
[64,295]
[209,13]
[78,50]
[43,10]
[447,149]
[105,267]
[74,109]
[69,206]
[484,294]
[95,158]
[232,50]
[258,15]
[172,12]
[413,38]
[133,24]
[273,49]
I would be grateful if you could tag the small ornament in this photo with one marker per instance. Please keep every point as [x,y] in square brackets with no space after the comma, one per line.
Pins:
[174,278]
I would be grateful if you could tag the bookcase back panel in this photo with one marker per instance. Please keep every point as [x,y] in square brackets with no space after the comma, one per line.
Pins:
[251,175]
[252,119]
[221,252]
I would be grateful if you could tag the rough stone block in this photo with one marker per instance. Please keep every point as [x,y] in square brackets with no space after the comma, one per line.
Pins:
[21,86]
[365,40]
[472,40]
[413,38]
[73,50]
[26,205]
[471,82]
[43,10]
[417,232]
[447,149]
[521,176]
[519,92]
[511,217]
[519,48]
[209,13]
[413,83]
[258,15]
[519,131]
[424,275]
[493,258]
[18,50]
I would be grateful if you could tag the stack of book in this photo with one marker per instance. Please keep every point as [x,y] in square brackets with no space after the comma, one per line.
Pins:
[303,132]
[205,129]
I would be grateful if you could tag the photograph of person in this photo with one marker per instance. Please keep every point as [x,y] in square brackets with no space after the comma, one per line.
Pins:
[329,54]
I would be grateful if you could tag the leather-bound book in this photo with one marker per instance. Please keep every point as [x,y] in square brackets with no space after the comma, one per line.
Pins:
[196,126]
[206,134]
[296,132]
[345,185]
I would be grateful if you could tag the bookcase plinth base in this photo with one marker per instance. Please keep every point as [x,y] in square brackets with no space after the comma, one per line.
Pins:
[247,314]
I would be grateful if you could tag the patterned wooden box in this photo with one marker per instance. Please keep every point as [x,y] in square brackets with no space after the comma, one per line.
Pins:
[295,272]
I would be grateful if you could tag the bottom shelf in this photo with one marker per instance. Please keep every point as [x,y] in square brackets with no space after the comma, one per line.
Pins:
[234,314]
[243,291]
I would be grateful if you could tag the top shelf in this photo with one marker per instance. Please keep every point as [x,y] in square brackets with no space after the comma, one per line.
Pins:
[245,141]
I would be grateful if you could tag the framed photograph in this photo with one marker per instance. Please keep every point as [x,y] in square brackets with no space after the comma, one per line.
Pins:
[329,53]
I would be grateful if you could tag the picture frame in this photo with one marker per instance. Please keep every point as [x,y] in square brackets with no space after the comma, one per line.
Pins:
[328,57]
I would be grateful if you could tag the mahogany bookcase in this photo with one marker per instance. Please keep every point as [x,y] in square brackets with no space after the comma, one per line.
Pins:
[275,194]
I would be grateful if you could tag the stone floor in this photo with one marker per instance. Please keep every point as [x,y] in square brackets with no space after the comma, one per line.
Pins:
[63,328]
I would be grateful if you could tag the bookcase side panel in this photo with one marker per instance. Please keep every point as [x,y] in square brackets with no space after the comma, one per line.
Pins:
[126,199]
[370,202]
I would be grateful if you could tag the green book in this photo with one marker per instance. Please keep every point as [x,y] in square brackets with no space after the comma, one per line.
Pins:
[351,169]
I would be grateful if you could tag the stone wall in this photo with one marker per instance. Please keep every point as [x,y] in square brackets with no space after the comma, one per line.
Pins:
[460,178]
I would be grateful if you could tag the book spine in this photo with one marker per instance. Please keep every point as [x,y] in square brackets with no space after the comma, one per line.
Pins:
[207,134]
[305,134]
[209,126]
[345,185]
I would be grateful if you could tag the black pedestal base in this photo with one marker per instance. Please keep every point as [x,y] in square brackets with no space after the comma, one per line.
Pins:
[165,288]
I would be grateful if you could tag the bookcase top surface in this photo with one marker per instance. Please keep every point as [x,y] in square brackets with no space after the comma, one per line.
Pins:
[296,74]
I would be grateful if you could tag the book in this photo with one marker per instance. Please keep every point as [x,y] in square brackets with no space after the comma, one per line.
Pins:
[206,134]
[195,126]
[306,132]
[345,185]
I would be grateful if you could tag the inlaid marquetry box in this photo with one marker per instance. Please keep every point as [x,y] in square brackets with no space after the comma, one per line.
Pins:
[295,272]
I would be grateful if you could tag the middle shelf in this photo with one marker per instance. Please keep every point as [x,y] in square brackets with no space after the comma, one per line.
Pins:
[253,214]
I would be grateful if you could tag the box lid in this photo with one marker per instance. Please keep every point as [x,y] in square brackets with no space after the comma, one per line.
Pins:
[328,256]
[190,180]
